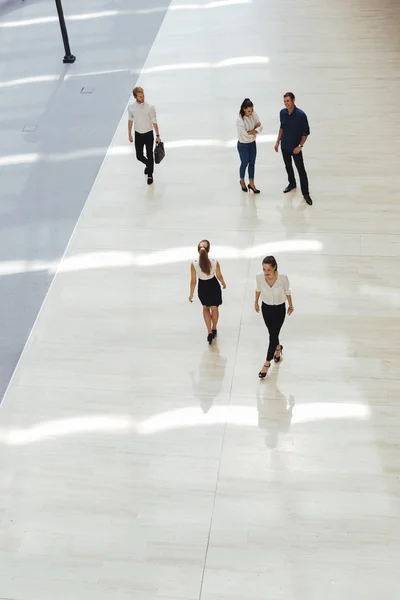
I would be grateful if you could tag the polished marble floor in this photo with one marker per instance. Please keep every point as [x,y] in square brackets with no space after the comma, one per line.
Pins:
[136,461]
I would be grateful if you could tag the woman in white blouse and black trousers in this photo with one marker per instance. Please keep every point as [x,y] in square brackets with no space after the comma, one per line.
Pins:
[274,290]
[248,126]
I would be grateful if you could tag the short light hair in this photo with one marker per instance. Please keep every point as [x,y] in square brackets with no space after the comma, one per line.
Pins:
[137,90]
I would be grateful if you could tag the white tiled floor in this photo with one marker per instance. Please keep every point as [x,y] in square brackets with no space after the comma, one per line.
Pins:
[137,462]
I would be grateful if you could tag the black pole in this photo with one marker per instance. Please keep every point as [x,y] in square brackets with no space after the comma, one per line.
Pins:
[68,58]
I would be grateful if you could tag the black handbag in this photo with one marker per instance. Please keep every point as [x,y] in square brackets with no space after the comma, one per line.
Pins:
[159,152]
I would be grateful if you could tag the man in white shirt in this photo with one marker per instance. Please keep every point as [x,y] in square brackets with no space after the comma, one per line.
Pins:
[143,116]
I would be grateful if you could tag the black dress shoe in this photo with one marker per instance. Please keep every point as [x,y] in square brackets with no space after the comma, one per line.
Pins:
[149,180]
[214,332]
[289,188]
[308,199]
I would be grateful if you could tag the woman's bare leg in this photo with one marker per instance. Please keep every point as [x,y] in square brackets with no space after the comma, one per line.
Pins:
[207,318]
[214,317]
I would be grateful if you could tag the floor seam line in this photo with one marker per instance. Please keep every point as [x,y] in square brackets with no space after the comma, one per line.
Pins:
[224,433]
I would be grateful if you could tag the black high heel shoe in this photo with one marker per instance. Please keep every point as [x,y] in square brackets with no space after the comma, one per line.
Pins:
[263,375]
[210,338]
[278,358]
[214,332]
[244,189]
[254,190]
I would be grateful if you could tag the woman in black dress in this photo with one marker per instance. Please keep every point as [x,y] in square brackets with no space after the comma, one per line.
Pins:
[208,272]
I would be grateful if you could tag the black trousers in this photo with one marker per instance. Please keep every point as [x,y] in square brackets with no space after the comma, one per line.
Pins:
[299,162]
[274,316]
[143,140]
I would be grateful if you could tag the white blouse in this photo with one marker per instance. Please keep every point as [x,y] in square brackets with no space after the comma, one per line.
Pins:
[201,274]
[247,124]
[275,294]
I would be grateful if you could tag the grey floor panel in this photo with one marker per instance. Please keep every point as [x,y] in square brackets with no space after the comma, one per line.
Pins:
[47,172]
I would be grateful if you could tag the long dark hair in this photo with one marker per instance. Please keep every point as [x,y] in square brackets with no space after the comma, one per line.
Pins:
[270,260]
[247,103]
[204,262]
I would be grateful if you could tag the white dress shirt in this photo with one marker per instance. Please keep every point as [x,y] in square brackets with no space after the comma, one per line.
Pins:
[201,274]
[275,294]
[143,116]
[247,124]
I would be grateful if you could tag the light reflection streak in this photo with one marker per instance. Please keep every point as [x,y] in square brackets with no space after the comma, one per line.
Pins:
[177,7]
[53,19]
[21,159]
[229,62]
[97,73]
[64,427]
[49,78]
[248,416]
[199,143]
[240,416]
[208,5]
[28,80]
[112,260]
[113,13]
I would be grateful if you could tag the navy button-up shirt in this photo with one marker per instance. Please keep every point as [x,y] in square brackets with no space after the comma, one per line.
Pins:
[294,126]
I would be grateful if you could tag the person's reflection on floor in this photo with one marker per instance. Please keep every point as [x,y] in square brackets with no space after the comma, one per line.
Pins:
[293,216]
[211,375]
[249,214]
[274,413]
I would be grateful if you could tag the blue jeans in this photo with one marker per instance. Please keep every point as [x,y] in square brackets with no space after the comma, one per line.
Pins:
[247,153]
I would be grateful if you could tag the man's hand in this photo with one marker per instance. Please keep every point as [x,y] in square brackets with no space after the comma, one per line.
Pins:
[158,139]
[276,147]
[257,307]
[130,138]
[297,150]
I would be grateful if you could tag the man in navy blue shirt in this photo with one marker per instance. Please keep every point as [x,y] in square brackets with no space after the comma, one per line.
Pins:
[293,133]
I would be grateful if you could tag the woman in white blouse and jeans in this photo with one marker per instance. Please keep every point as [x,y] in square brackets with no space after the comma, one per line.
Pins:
[248,126]
[274,290]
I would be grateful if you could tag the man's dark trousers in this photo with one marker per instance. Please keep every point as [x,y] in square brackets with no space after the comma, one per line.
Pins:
[299,162]
[143,140]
